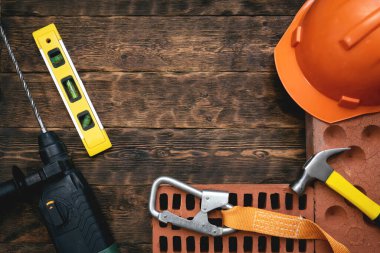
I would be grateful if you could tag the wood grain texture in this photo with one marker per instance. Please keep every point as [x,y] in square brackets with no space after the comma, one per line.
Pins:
[152,43]
[149,8]
[186,89]
[138,156]
[159,100]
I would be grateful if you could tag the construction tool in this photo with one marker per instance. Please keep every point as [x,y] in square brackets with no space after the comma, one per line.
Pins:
[338,77]
[72,90]
[237,218]
[67,204]
[318,168]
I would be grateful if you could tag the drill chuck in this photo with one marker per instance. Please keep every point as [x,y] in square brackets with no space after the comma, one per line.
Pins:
[52,149]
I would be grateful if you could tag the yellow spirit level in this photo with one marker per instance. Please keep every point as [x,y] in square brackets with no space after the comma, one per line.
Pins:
[71,89]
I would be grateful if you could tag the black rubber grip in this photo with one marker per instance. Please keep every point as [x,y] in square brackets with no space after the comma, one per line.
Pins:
[7,188]
[73,217]
[377,221]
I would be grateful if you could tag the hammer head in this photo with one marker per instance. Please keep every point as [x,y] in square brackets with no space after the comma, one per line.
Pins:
[316,168]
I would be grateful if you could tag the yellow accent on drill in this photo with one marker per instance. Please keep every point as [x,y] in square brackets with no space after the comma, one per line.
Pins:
[50,203]
[339,184]
[94,137]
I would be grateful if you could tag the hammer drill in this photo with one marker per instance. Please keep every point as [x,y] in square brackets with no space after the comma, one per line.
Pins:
[67,204]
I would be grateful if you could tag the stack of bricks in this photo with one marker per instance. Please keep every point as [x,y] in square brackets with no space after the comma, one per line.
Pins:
[277,198]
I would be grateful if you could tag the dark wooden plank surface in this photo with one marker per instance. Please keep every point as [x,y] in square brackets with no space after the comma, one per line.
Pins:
[160,100]
[185,88]
[193,155]
[149,8]
[200,43]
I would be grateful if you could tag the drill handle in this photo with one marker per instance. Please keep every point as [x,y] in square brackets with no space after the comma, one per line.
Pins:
[14,185]
[73,216]
[8,188]
[21,182]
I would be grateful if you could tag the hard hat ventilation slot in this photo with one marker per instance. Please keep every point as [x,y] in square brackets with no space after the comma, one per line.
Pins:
[296,36]
[361,30]
[348,102]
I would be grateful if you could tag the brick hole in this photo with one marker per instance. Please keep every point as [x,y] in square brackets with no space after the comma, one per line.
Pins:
[302,202]
[176,205]
[302,245]
[262,200]
[232,244]
[248,244]
[163,224]
[333,133]
[204,244]
[190,244]
[163,201]
[174,227]
[218,244]
[190,202]
[289,201]
[247,200]
[289,245]
[262,244]
[177,247]
[275,244]
[163,243]
[232,199]
[355,155]
[371,134]
[216,221]
[275,201]
[335,215]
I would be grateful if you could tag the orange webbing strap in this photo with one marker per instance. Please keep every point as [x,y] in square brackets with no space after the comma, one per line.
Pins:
[276,224]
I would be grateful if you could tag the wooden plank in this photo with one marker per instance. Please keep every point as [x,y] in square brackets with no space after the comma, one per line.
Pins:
[153,43]
[138,156]
[159,100]
[26,247]
[149,8]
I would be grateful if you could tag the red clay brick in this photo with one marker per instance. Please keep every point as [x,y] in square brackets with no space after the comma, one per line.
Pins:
[240,190]
[360,166]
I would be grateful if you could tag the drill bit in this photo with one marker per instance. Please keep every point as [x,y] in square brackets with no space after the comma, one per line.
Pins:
[21,76]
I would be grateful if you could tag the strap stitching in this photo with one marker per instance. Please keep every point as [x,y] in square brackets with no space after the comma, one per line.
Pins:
[296,222]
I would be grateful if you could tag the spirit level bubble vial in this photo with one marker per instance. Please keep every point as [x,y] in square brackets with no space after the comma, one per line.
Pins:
[71,89]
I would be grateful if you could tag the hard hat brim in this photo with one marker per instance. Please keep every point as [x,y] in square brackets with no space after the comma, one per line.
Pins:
[300,89]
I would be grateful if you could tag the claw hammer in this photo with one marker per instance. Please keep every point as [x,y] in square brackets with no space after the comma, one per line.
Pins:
[318,168]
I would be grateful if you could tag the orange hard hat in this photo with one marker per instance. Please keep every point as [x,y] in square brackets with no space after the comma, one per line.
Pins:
[329,58]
